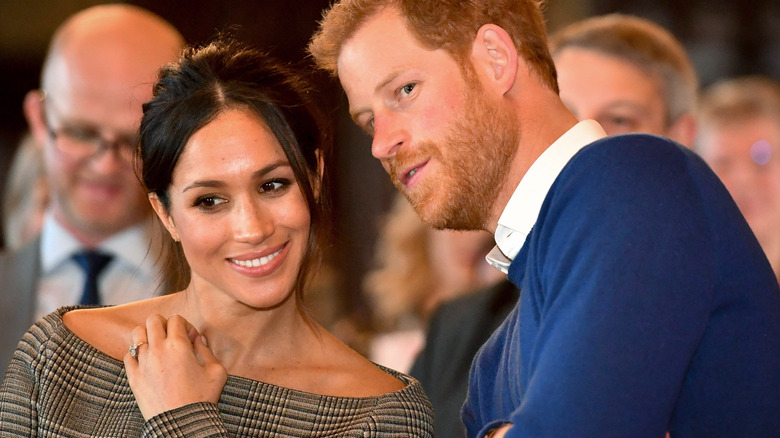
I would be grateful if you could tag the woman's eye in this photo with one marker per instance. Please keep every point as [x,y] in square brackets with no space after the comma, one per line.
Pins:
[273,186]
[407,89]
[209,202]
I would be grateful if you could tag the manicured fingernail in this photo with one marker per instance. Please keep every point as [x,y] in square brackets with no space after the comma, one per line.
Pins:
[203,339]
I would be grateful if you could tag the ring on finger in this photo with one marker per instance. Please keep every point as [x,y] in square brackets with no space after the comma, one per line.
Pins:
[134,349]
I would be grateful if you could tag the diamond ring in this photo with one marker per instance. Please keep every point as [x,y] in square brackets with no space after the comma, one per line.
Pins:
[134,349]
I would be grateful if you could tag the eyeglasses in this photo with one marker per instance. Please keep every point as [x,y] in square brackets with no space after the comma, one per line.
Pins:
[86,141]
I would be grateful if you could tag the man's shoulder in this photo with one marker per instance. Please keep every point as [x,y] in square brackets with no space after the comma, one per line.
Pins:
[635,144]
[25,256]
[629,160]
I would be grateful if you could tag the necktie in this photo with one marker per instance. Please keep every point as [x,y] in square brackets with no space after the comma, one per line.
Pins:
[93,263]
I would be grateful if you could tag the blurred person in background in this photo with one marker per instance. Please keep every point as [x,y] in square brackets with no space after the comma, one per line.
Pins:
[627,73]
[739,136]
[417,269]
[98,244]
[26,195]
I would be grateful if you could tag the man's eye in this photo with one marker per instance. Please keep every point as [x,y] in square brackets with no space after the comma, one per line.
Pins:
[81,134]
[368,126]
[621,121]
[407,89]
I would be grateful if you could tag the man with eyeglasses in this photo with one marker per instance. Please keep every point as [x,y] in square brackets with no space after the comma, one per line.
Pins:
[98,244]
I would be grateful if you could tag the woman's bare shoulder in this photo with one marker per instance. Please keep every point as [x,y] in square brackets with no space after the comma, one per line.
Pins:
[360,376]
[108,328]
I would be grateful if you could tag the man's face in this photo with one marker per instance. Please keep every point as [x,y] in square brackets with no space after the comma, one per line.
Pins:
[746,157]
[446,147]
[614,92]
[94,195]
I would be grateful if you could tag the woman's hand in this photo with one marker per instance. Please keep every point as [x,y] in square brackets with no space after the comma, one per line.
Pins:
[173,368]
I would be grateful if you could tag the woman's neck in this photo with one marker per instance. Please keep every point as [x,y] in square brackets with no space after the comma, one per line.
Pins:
[246,340]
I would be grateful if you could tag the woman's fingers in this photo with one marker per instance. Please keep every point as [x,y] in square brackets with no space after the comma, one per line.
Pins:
[156,328]
[172,370]
[216,373]
[178,327]
[138,334]
[202,351]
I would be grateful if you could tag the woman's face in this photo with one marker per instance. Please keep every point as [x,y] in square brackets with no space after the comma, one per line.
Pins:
[238,212]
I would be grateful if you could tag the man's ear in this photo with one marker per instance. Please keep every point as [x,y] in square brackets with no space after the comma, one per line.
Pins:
[683,130]
[495,57]
[162,213]
[33,112]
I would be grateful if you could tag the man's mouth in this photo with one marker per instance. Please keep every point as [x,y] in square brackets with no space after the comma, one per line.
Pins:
[407,177]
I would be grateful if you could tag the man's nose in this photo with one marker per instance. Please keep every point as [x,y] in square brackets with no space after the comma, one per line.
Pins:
[390,133]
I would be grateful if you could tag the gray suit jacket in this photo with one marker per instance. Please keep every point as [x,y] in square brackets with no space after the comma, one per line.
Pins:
[19,272]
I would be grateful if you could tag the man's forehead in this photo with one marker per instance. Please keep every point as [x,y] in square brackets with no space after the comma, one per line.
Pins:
[385,25]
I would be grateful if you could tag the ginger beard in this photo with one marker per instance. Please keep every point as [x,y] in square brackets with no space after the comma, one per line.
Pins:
[475,157]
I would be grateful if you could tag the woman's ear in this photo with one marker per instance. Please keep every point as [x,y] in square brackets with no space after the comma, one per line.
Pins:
[164,216]
[495,57]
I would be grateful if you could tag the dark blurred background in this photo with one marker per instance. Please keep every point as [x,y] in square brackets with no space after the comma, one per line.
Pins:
[725,38]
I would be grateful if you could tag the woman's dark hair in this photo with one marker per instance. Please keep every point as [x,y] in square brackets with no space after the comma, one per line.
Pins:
[224,75]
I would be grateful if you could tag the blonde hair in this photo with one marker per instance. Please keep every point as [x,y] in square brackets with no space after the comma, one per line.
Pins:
[740,99]
[402,278]
[642,43]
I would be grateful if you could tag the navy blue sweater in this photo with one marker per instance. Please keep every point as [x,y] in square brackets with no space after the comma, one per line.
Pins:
[647,306]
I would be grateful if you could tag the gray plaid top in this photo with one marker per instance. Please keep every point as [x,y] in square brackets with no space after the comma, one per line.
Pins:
[57,385]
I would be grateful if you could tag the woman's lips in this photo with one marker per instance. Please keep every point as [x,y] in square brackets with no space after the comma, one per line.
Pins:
[256,265]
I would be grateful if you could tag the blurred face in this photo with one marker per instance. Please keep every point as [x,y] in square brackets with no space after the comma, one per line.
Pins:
[100,70]
[614,92]
[434,132]
[458,261]
[746,157]
[238,212]
[94,193]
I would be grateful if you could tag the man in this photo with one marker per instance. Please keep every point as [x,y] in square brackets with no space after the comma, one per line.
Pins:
[627,73]
[99,70]
[630,75]
[740,139]
[638,314]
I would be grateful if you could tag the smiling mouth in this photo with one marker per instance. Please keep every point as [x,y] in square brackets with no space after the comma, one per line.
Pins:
[408,175]
[254,263]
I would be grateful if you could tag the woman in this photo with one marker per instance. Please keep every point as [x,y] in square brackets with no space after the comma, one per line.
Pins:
[232,157]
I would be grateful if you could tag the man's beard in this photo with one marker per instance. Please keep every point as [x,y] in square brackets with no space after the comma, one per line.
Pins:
[475,158]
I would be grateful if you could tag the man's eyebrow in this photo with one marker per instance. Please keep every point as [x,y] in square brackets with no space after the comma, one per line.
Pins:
[383,83]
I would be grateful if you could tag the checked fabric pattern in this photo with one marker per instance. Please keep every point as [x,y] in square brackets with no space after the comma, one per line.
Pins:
[59,386]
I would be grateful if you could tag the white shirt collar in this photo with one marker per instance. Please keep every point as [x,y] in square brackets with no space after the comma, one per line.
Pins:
[522,210]
[130,246]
